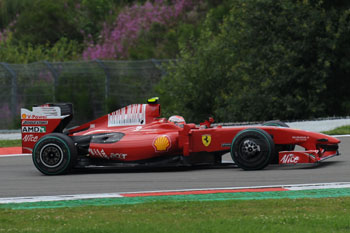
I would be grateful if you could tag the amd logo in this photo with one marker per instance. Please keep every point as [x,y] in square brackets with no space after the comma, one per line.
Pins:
[33,129]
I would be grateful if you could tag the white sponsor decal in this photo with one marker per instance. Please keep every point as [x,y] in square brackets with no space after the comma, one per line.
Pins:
[34,122]
[131,115]
[102,154]
[300,138]
[290,158]
[138,128]
[33,129]
[24,116]
[98,153]
[118,156]
[30,138]
[43,112]
[40,112]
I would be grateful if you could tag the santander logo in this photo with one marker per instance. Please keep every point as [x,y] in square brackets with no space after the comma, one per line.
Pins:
[290,158]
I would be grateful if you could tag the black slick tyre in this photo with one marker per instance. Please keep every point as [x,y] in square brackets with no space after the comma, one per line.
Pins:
[279,148]
[277,123]
[252,149]
[54,154]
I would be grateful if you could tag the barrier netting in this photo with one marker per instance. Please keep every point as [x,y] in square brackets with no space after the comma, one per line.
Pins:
[94,87]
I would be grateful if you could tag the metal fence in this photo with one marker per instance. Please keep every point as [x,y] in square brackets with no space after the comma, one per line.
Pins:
[94,87]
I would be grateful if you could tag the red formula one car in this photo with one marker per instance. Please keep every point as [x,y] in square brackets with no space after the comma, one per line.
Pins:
[135,136]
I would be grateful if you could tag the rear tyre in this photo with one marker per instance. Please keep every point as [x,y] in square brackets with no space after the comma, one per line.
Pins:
[54,154]
[252,149]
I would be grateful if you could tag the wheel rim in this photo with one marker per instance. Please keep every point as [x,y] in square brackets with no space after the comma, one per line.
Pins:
[51,155]
[249,149]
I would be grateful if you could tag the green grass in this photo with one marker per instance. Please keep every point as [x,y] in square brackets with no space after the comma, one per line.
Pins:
[10,143]
[282,215]
[339,131]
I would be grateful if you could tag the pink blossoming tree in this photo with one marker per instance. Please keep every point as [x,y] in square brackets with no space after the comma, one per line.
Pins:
[115,39]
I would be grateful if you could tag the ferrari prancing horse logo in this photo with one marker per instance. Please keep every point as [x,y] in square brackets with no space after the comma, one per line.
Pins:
[206,139]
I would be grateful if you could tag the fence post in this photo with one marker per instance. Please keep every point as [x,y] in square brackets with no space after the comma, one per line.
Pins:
[55,78]
[13,88]
[158,65]
[107,80]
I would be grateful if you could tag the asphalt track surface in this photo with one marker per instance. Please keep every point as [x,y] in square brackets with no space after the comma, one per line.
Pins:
[19,177]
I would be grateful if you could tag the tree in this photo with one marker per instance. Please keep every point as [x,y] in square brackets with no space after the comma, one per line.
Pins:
[269,59]
[46,22]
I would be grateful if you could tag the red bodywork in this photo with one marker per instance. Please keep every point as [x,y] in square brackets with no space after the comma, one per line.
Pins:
[146,136]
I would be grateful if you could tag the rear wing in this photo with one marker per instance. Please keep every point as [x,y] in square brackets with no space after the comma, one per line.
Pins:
[49,118]
[131,115]
[42,120]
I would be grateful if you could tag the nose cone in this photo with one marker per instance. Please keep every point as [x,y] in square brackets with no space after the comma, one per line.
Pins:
[336,140]
[329,139]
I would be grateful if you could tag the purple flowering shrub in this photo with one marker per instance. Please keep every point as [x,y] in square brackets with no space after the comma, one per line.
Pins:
[4,34]
[116,39]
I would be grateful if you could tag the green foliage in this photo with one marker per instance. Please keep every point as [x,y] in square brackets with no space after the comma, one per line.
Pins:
[90,15]
[268,59]
[84,88]
[10,143]
[51,21]
[162,42]
[342,130]
[239,59]
[186,90]
[39,22]
[9,10]
[165,41]
[62,50]
[37,25]
[267,215]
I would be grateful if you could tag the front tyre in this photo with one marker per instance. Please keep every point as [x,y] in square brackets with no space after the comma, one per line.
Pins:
[54,154]
[288,147]
[252,149]
[277,123]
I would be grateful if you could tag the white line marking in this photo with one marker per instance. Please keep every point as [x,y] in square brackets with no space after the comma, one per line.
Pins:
[293,187]
[319,186]
[289,187]
[57,198]
[14,155]
[341,136]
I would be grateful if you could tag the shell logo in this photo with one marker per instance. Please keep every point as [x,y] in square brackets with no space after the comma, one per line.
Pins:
[24,116]
[161,143]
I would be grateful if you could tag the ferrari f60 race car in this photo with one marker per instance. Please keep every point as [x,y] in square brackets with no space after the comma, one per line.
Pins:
[135,136]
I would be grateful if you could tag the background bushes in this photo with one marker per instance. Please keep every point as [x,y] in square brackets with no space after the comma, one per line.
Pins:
[236,60]
[270,59]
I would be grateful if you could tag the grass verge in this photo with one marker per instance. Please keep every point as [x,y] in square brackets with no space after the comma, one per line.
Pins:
[273,215]
[339,131]
[10,143]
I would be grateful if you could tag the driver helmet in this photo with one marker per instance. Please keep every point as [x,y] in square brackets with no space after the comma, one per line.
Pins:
[178,120]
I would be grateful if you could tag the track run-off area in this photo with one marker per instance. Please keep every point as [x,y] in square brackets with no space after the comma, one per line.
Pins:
[22,186]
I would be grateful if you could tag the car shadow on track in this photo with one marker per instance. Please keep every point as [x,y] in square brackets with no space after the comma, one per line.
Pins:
[304,166]
[106,170]
[102,170]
